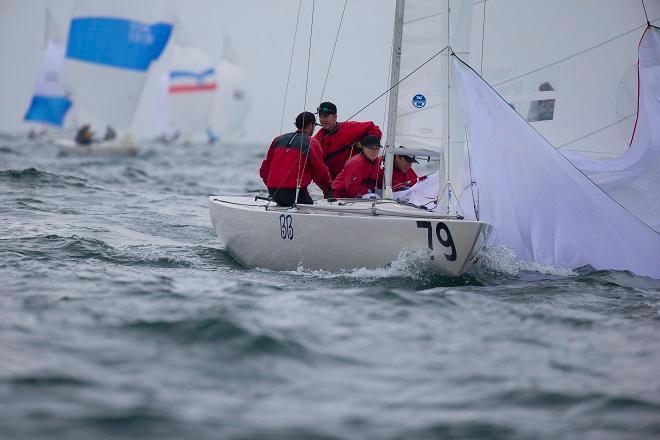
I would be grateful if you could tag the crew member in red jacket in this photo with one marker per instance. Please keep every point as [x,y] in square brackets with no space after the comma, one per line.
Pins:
[295,159]
[361,172]
[403,176]
[337,138]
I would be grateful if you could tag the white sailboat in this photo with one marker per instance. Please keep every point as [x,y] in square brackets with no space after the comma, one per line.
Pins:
[355,233]
[50,102]
[187,91]
[107,83]
[232,99]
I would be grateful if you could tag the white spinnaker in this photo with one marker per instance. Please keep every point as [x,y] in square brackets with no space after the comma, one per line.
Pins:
[538,203]
[191,89]
[566,66]
[106,82]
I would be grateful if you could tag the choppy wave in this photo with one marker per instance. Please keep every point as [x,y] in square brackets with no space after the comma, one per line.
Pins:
[35,178]
[81,248]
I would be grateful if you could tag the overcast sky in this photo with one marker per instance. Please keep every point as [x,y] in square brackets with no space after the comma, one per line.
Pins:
[262,34]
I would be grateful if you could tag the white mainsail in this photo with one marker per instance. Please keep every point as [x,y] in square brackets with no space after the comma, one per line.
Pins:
[424,100]
[110,47]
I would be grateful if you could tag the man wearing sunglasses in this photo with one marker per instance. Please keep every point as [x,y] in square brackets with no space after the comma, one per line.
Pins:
[338,139]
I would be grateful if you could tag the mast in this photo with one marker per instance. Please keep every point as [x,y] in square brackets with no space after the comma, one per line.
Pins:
[393,97]
[446,126]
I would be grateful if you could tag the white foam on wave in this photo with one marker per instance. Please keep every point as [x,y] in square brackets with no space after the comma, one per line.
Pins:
[409,264]
[496,260]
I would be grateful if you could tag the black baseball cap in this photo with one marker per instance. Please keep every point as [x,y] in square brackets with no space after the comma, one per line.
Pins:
[328,108]
[371,142]
[409,159]
[304,119]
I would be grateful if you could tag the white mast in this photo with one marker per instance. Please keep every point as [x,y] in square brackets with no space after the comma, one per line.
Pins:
[393,97]
[445,188]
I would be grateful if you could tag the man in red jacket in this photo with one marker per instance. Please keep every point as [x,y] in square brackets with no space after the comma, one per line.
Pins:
[361,172]
[403,176]
[337,138]
[294,160]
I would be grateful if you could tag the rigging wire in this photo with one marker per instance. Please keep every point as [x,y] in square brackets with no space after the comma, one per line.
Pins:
[538,69]
[648,22]
[288,78]
[597,131]
[327,74]
[398,82]
[302,137]
[483,37]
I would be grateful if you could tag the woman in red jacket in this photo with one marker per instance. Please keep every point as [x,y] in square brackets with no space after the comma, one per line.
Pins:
[337,138]
[361,172]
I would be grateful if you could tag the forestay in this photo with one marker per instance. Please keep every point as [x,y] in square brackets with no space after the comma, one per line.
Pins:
[539,204]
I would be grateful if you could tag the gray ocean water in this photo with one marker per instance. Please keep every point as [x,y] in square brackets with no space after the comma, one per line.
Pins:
[122,316]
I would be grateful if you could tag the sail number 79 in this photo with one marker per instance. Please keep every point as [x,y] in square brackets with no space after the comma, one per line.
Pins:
[446,242]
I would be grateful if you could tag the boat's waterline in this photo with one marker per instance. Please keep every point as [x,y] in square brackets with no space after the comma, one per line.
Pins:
[343,235]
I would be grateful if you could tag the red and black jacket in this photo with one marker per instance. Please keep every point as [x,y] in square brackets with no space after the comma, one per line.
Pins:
[286,158]
[337,144]
[358,176]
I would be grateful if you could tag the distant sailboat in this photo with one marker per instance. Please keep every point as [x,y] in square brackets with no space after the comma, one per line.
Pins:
[107,83]
[50,102]
[187,93]
[232,99]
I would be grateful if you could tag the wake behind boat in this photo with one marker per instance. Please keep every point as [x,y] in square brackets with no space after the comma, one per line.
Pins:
[343,234]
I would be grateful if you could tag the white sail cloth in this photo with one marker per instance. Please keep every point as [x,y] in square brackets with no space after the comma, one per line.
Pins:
[634,177]
[539,204]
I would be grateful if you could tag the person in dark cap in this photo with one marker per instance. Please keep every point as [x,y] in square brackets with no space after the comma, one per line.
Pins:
[293,161]
[403,176]
[361,173]
[338,139]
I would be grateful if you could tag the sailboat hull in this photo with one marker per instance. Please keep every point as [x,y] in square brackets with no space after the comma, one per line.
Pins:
[343,235]
[67,147]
